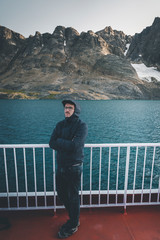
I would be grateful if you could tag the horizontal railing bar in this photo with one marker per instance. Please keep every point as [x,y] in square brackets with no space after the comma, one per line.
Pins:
[122,145]
[82,206]
[30,208]
[118,204]
[86,145]
[93,192]
[24,145]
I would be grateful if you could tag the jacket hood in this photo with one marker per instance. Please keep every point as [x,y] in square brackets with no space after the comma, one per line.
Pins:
[73,102]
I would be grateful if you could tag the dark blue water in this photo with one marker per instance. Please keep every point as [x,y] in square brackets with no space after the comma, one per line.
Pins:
[115,121]
[32,121]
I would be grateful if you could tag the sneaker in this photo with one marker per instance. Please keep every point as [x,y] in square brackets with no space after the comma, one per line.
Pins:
[66,232]
[67,225]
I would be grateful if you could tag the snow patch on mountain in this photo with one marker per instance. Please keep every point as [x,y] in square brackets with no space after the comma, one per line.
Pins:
[148,74]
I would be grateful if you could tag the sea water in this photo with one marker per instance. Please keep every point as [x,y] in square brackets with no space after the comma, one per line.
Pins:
[113,121]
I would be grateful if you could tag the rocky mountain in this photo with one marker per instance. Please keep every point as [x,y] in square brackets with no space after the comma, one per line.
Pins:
[83,65]
[145,47]
[10,43]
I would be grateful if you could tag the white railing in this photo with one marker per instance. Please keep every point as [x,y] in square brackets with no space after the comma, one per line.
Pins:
[113,175]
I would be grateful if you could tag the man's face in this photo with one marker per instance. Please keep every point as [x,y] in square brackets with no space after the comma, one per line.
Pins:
[68,110]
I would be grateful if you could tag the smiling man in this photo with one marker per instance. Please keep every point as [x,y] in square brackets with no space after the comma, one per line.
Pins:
[68,139]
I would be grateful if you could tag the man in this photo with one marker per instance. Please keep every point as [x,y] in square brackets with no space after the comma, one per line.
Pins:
[68,139]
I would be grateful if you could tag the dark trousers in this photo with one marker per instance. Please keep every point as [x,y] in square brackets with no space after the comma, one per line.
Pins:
[68,183]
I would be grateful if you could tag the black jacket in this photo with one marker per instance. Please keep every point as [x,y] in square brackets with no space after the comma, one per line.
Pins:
[68,139]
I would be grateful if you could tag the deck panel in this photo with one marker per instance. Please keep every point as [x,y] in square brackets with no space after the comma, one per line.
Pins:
[140,223]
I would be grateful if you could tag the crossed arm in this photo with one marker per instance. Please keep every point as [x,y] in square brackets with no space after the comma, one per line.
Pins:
[61,144]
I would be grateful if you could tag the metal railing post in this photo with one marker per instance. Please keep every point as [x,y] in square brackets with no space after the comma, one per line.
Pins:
[35,177]
[16,175]
[25,174]
[100,163]
[109,163]
[54,180]
[6,176]
[90,197]
[154,150]
[126,178]
[117,175]
[44,177]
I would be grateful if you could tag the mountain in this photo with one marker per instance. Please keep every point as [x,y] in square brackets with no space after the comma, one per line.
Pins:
[145,47]
[83,65]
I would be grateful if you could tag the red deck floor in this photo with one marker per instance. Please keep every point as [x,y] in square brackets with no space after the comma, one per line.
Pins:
[140,223]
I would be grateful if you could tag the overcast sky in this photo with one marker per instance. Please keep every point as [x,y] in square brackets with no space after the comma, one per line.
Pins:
[28,16]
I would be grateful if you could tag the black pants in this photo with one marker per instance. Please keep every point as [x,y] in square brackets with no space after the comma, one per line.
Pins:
[68,183]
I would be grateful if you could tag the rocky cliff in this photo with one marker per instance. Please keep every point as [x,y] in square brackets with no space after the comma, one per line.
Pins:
[83,65]
[145,47]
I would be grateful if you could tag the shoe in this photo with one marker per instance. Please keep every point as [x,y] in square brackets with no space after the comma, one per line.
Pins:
[65,225]
[64,233]
[68,225]
[67,229]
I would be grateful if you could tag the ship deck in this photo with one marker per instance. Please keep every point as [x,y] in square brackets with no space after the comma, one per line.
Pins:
[139,223]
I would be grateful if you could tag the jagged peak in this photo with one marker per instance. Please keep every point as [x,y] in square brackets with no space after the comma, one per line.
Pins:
[156,20]
[59,29]
[72,30]
[31,36]
[109,30]
[147,30]
[9,34]
[37,33]
[90,32]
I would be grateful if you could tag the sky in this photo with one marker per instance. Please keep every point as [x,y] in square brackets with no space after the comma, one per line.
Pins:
[28,16]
